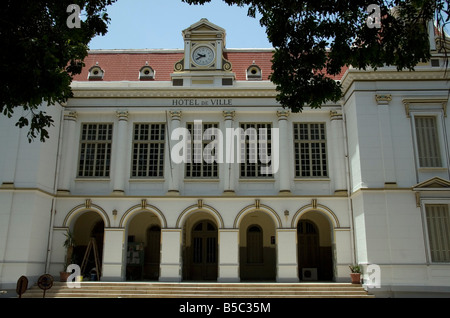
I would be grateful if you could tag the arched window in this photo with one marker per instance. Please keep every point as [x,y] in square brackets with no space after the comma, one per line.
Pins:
[96,73]
[254,73]
[146,73]
[254,245]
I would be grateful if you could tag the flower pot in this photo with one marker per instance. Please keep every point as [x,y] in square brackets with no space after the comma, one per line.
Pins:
[63,276]
[356,278]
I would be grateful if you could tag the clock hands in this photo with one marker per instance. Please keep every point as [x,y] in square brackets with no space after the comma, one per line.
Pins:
[200,56]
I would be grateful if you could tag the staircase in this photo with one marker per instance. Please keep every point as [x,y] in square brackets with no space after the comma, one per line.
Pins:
[200,290]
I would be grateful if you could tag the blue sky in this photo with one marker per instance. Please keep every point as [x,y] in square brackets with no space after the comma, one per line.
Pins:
[155,24]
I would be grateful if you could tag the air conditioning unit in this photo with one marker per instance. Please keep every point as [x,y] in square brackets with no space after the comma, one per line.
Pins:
[309,273]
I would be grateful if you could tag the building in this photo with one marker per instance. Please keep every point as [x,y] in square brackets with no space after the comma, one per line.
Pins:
[365,180]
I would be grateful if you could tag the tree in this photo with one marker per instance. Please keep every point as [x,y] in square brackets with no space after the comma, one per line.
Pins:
[315,39]
[44,43]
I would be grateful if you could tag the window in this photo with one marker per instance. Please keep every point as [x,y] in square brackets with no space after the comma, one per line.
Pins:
[256,150]
[95,150]
[438,226]
[202,142]
[310,150]
[148,150]
[428,148]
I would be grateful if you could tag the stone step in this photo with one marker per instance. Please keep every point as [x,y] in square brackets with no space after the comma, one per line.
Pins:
[199,290]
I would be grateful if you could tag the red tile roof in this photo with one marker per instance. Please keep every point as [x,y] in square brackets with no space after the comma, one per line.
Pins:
[125,65]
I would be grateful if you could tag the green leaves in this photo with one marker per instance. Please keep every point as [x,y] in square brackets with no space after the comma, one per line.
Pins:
[41,54]
[315,40]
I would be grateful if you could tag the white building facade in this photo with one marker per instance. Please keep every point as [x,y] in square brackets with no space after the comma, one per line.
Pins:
[365,180]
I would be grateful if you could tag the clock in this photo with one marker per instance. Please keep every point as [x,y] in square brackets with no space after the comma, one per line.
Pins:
[203,56]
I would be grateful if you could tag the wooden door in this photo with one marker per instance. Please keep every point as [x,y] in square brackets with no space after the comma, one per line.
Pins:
[204,251]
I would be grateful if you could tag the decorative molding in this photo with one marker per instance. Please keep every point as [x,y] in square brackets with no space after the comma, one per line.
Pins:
[335,115]
[228,114]
[71,116]
[122,115]
[175,114]
[440,102]
[283,114]
[383,99]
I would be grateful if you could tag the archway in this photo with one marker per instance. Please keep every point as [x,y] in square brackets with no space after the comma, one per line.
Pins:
[88,225]
[200,252]
[143,246]
[257,255]
[314,243]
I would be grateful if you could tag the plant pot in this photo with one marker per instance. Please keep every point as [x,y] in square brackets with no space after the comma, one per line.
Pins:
[356,278]
[63,276]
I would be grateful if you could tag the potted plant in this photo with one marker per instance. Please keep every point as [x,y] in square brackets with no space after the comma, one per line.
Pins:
[69,244]
[355,274]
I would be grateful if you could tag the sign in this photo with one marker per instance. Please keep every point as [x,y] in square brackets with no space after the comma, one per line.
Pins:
[45,282]
[22,285]
[202,102]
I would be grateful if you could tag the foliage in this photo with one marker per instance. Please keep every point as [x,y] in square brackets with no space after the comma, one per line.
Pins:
[69,244]
[355,268]
[315,40]
[40,55]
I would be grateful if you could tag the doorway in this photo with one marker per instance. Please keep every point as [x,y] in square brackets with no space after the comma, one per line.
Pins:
[314,249]
[202,253]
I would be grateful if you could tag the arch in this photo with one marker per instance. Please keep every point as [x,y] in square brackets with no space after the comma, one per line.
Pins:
[199,208]
[82,208]
[138,208]
[317,208]
[257,207]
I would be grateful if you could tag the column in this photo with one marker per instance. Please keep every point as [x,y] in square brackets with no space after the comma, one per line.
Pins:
[229,255]
[68,153]
[284,153]
[174,168]
[114,259]
[287,267]
[387,148]
[229,154]
[337,154]
[120,167]
[343,254]
[170,255]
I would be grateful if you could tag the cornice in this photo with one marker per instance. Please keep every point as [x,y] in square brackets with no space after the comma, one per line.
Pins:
[391,74]
[131,90]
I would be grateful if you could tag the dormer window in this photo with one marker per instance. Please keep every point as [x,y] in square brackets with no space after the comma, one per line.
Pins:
[254,73]
[146,73]
[96,73]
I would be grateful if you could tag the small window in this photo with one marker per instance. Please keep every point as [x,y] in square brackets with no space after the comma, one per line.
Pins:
[428,141]
[146,73]
[254,73]
[438,225]
[96,73]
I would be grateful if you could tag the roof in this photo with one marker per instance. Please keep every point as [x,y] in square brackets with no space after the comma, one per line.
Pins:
[124,65]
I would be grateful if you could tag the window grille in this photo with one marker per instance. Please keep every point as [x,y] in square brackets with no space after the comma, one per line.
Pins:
[95,150]
[148,150]
[310,150]
[438,232]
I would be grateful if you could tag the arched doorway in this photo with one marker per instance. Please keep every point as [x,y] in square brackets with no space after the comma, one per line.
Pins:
[87,226]
[257,259]
[200,259]
[314,242]
[143,247]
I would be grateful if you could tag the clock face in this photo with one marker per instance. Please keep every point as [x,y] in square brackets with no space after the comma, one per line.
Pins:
[203,56]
